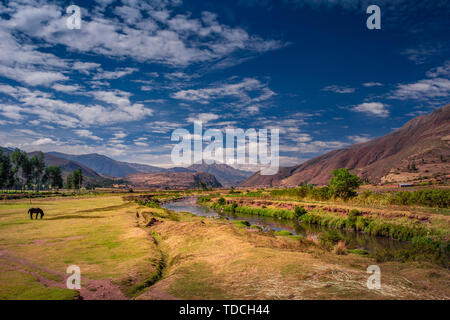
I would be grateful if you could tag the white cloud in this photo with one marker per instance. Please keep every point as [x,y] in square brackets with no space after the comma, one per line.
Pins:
[163,126]
[49,109]
[66,88]
[83,133]
[316,146]
[359,138]
[372,84]
[204,117]
[422,53]
[440,71]
[25,63]
[423,89]
[240,90]
[42,141]
[372,108]
[339,89]
[11,111]
[120,135]
[141,142]
[85,67]
[252,109]
[31,76]
[159,36]
[116,74]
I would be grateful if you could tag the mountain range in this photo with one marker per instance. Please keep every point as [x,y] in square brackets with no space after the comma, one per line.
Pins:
[419,148]
[100,169]
[225,174]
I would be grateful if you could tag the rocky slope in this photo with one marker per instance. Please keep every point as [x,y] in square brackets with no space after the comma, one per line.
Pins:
[227,176]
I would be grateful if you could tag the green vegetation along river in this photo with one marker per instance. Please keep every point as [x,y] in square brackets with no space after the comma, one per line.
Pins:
[354,240]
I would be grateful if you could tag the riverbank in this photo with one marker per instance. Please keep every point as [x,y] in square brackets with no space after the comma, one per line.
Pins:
[216,259]
[428,236]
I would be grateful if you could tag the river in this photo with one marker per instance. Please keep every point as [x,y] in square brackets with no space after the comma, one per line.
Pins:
[354,240]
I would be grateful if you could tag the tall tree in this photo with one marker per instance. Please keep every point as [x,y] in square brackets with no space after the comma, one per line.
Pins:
[69,181]
[77,179]
[6,172]
[21,169]
[53,176]
[37,168]
[27,170]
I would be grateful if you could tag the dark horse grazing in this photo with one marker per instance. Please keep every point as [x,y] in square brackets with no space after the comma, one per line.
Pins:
[37,211]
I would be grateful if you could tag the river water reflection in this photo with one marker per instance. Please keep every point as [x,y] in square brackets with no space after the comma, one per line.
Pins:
[353,239]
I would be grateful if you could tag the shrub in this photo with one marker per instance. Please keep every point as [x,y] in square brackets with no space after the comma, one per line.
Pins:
[429,197]
[283,233]
[330,238]
[321,194]
[204,199]
[351,219]
[361,252]
[221,201]
[340,248]
[242,223]
[298,212]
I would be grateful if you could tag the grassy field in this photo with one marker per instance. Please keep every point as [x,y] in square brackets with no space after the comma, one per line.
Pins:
[97,234]
[181,256]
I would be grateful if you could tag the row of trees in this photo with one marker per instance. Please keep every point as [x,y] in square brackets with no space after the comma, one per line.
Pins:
[74,180]
[18,171]
[21,172]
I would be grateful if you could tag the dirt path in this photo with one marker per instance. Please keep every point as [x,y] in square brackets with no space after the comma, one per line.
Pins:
[102,289]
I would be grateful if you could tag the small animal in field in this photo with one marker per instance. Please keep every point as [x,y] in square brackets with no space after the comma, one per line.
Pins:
[37,211]
[137,215]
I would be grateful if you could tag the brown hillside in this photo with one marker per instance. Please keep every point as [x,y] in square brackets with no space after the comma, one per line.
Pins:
[423,141]
[172,180]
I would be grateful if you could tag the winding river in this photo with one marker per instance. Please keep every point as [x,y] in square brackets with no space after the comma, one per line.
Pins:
[355,240]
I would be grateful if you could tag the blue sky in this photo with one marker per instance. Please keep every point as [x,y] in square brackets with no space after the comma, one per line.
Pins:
[137,70]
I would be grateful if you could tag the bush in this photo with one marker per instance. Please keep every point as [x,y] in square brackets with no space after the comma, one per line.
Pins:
[204,199]
[330,238]
[351,219]
[283,233]
[298,212]
[242,223]
[361,252]
[340,248]
[321,194]
[221,201]
[429,197]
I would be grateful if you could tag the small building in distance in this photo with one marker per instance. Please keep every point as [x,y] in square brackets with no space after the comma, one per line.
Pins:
[405,185]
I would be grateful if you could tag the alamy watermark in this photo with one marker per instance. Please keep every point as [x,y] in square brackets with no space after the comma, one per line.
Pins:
[73,282]
[74,20]
[374,281]
[374,20]
[239,147]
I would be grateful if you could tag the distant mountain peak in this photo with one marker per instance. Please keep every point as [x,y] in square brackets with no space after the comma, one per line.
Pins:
[226,174]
